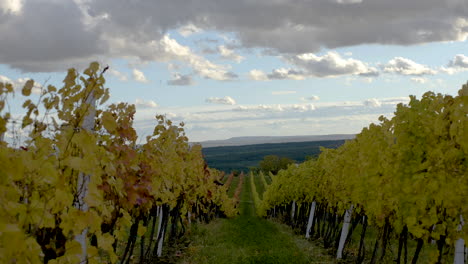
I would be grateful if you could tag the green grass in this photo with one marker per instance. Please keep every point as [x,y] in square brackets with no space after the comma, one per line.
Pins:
[225,177]
[233,186]
[249,239]
[259,186]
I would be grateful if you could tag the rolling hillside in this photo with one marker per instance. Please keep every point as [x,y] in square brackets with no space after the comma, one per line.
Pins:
[228,158]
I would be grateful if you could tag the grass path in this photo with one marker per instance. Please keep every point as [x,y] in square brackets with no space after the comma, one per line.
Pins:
[249,239]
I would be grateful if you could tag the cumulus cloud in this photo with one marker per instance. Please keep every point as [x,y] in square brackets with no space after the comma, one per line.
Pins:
[258,75]
[460,61]
[84,36]
[283,74]
[283,92]
[229,54]
[224,100]
[181,80]
[330,65]
[404,66]
[139,76]
[458,64]
[145,104]
[310,65]
[200,65]
[106,29]
[372,102]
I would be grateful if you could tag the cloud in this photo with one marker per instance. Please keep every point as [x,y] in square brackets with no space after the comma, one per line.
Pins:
[404,66]
[331,65]
[145,104]
[20,82]
[458,64]
[139,76]
[283,92]
[276,108]
[13,6]
[419,80]
[283,74]
[257,75]
[372,103]
[86,34]
[310,65]
[200,65]
[348,1]
[459,61]
[44,44]
[107,29]
[311,98]
[213,121]
[121,76]
[181,80]
[229,54]
[188,30]
[217,100]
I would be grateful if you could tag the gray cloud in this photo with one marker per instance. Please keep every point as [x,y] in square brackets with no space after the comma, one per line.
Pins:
[460,61]
[181,80]
[282,74]
[45,35]
[458,64]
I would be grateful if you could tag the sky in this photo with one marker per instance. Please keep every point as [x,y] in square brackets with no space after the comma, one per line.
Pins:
[245,67]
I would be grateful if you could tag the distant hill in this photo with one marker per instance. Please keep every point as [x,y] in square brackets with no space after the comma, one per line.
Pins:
[228,158]
[240,141]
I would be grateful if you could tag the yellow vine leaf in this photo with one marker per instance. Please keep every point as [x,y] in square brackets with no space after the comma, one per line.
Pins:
[108,121]
[26,91]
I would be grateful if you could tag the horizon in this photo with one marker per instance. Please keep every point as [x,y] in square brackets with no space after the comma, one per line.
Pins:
[292,136]
[299,68]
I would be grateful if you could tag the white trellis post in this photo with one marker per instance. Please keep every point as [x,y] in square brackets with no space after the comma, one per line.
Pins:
[293,211]
[160,244]
[433,241]
[459,257]
[83,180]
[311,219]
[344,232]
